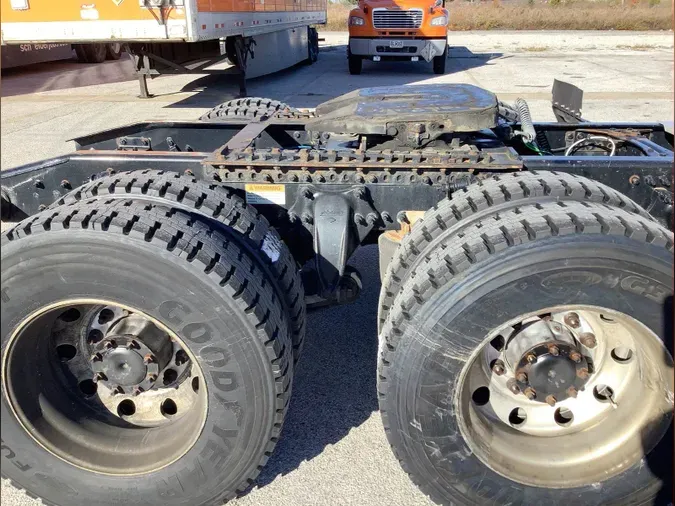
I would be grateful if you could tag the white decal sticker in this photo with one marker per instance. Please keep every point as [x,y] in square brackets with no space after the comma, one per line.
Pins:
[266,194]
[271,246]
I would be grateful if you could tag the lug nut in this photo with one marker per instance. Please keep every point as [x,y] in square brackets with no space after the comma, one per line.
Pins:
[307,218]
[531,358]
[138,391]
[133,345]
[530,393]
[149,359]
[522,377]
[575,356]
[97,357]
[572,319]
[111,344]
[498,367]
[550,400]
[553,350]
[307,193]
[582,373]
[100,377]
[118,390]
[588,340]
[152,378]
[511,384]
[572,392]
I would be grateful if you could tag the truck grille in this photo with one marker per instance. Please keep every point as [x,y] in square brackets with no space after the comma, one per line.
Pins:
[385,19]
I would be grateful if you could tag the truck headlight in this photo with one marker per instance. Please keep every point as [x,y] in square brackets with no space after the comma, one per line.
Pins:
[439,21]
[356,21]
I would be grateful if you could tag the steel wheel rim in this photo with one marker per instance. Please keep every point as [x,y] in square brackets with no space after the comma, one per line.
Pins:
[590,437]
[130,432]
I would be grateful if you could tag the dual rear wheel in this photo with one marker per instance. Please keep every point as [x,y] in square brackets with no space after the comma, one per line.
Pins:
[526,352]
[149,341]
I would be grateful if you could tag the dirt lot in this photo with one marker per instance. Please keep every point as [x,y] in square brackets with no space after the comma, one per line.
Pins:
[333,450]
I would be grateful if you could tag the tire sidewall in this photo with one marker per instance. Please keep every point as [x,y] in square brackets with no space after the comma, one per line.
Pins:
[420,403]
[235,371]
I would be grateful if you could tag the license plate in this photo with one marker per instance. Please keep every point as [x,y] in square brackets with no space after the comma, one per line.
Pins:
[396,43]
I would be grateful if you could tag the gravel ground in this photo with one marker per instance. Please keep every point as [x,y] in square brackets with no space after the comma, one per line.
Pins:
[333,450]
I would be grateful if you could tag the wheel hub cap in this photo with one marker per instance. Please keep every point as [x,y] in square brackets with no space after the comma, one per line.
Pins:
[122,361]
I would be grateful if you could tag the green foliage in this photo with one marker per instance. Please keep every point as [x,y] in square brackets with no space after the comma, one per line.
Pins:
[654,3]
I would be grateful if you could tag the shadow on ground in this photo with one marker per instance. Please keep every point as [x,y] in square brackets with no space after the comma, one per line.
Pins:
[334,387]
[64,74]
[308,86]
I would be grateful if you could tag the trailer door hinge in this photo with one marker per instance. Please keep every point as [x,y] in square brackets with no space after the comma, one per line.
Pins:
[134,144]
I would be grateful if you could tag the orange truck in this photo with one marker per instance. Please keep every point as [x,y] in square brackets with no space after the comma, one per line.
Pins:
[168,36]
[399,30]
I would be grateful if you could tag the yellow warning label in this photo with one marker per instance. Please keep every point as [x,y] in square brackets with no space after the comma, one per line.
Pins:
[266,194]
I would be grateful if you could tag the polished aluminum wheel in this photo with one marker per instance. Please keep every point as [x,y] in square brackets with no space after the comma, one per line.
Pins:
[566,397]
[104,387]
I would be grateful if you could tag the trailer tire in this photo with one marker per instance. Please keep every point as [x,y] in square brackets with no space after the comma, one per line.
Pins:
[247,108]
[355,64]
[114,51]
[91,53]
[479,201]
[445,413]
[312,45]
[222,206]
[440,61]
[181,274]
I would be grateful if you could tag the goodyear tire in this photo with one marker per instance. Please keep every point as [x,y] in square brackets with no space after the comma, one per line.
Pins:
[223,207]
[177,277]
[479,201]
[455,413]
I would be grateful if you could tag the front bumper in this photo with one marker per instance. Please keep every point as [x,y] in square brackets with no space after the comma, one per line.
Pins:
[425,48]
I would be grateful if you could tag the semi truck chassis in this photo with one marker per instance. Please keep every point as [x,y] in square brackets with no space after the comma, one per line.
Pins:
[443,178]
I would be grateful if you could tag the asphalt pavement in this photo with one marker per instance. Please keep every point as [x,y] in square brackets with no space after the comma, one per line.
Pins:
[333,450]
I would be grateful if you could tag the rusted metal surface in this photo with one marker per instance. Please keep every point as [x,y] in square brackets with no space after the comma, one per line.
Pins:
[413,114]
[498,159]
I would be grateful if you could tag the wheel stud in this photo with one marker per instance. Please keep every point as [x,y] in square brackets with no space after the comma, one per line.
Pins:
[97,357]
[588,340]
[149,359]
[498,367]
[575,356]
[152,378]
[133,345]
[138,391]
[572,392]
[111,344]
[550,400]
[118,390]
[522,377]
[572,319]
[531,358]
[553,350]
[99,376]
[530,393]
[582,373]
